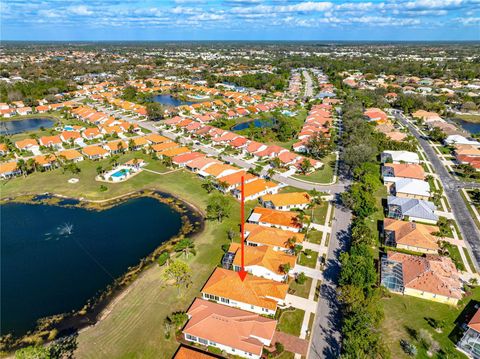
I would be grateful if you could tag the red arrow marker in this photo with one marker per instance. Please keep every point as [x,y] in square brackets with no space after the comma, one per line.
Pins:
[242,272]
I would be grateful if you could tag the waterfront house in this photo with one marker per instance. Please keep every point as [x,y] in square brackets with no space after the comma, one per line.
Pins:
[253,294]
[234,331]
[234,180]
[286,201]
[9,170]
[260,261]
[278,239]
[257,188]
[185,352]
[217,170]
[288,221]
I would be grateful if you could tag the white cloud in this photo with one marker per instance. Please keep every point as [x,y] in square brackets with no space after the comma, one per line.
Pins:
[81,10]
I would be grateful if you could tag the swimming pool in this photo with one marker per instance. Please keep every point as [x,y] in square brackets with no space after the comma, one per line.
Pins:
[68,128]
[123,172]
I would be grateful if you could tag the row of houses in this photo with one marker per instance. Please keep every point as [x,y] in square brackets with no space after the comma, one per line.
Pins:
[227,301]
[410,226]
[17,108]
[247,148]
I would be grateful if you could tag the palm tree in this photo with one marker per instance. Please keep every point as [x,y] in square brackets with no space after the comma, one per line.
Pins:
[21,165]
[270,172]
[31,165]
[186,246]
[208,185]
[291,242]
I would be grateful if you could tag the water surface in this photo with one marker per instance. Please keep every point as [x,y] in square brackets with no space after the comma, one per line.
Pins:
[169,100]
[29,124]
[256,123]
[471,127]
[53,259]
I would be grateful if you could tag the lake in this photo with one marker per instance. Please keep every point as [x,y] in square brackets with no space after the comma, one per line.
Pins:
[256,123]
[169,100]
[28,124]
[53,258]
[471,127]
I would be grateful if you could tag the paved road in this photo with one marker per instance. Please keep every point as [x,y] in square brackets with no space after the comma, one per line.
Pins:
[326,332]
[451,187]
[308,84]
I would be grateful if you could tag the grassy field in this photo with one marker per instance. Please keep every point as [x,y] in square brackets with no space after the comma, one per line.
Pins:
[134,325]
[290,321]
[469,118]
[306,261]
[315,236]
[301,290]
[323,175]
[406,315]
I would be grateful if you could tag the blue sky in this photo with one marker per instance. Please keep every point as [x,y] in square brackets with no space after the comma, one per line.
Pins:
[240,20]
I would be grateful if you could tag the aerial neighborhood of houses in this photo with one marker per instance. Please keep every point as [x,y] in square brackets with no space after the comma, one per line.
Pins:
[312,194]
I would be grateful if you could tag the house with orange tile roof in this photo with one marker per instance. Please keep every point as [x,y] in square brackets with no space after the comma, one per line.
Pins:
[155,138]
[95,152]
[137,143]
[403,170]
[71,136]
[260,261]
[411,236]
[70,155]
[9,170]
[218,170]
[45,161]
[470,342]
[431,277]
[114,147]
[160,147]
[28,144]
[3,149]
[172,152]
[286,201]
[183,159]
[229,182]
[51,141]
[278,239]
[288,221]
[256,189]
[230,330]
[375,114]
[201,163]
[185,352]
[254,294]
[91,133]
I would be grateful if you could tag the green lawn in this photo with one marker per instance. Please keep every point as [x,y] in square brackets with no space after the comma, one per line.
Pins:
[133,327]
[320,213]
[405,315]
[455,255]
[306,261]
[469,118]
[290,321]
[315,236]
[301,290]
[323,175]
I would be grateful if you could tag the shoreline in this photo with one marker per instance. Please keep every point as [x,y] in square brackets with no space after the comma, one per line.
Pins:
[99,307]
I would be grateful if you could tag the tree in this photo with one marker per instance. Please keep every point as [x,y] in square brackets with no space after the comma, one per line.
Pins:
[99,170]
[285,267]
[179,272]
[291,242]
[305,166]
[218,207]
[301,278]
[186,246]
[33,352]
[129,93]
[436,134]
[208,185]
[155,111]
[318,146]
[270,172]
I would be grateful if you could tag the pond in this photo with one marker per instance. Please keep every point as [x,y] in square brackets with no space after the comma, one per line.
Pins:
[28,124]
[472,127]
[169,100]
[54,259]
[256,123]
